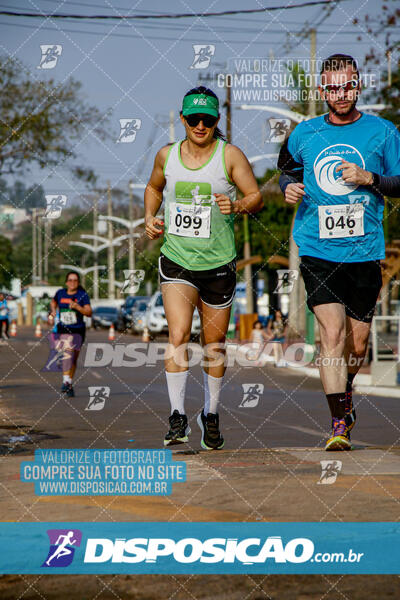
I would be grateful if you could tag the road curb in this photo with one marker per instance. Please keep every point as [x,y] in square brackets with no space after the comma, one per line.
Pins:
[363,386]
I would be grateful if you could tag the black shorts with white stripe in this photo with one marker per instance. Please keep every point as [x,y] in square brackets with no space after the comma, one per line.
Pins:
[216,287]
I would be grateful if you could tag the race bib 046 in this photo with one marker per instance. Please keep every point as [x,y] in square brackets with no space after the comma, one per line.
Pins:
[341,220]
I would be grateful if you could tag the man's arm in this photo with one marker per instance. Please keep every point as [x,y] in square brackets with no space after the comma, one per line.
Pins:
[291,179]
[386,185]
[292,171]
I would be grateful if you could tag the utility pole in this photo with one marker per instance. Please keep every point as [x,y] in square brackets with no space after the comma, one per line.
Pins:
[34,250]
[95,242]
[131,245]
[246,234]
[228,113]
[47,246]
[247,268]
[40,246]
[313,59]
[297,304]
[110,250]
[171,127]
[389,67]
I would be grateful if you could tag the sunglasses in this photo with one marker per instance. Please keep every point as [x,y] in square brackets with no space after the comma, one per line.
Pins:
[347,86]
[194,120]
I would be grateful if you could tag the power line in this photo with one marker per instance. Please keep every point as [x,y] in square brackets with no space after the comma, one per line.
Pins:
[172,15]
[166,38]
[217,28]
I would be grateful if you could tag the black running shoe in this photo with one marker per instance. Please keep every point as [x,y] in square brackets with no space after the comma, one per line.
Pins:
[64,387]
[178,429]
[211,438]
[70,391]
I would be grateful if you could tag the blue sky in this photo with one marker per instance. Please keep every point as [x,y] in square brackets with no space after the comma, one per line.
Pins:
[141,69]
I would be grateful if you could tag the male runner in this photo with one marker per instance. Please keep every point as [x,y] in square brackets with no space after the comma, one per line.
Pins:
[339,166]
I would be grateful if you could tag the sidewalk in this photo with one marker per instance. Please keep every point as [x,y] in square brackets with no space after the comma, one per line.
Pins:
[280,484]
[362,383]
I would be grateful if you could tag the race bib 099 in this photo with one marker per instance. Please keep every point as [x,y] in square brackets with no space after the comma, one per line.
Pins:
[189,220]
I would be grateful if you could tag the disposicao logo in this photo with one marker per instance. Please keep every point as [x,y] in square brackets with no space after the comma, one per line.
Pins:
[62,547]
[248,551]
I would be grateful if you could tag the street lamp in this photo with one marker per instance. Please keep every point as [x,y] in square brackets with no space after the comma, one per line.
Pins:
[95,249]
[246,246]
[254,159]
[131,225]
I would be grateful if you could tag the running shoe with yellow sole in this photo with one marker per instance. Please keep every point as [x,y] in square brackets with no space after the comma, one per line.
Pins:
[178,429]
[211,438]
[340,438]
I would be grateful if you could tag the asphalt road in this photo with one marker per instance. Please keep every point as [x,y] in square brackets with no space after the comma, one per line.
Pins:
[291,411]
[269,469]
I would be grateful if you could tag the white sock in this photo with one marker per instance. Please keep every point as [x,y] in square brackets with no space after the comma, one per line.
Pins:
[176,390]
[212,390]
[67,379]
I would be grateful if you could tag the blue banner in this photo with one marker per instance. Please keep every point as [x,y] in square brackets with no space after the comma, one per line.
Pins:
[214,548]
[78,472]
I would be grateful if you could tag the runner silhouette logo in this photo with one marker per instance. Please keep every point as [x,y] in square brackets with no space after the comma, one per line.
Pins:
[62,547]
[202,57]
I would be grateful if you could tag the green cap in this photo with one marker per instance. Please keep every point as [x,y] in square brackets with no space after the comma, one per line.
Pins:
[200,103]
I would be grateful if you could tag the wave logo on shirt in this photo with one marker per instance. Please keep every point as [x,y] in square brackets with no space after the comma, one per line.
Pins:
[326,163]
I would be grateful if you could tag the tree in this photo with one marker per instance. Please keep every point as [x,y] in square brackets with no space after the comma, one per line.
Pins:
[41,121]
[388,94]
[384,29]
[6,262]
[22,197]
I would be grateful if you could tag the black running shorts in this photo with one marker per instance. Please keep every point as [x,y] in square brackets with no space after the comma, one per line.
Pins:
[216,287]
[72,331]
[355,285]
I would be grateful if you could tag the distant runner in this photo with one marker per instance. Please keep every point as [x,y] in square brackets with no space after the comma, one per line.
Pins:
[4,317]
[68,308]
[198,258]
[339,166]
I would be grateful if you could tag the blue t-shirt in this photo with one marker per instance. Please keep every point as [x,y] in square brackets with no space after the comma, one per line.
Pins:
[72,319]
[3,310]
[370,142]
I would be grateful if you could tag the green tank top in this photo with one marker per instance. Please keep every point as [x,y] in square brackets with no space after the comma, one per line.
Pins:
[197,235]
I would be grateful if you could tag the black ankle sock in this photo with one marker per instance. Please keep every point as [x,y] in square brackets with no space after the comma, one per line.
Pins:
[349,384]
[337,404]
